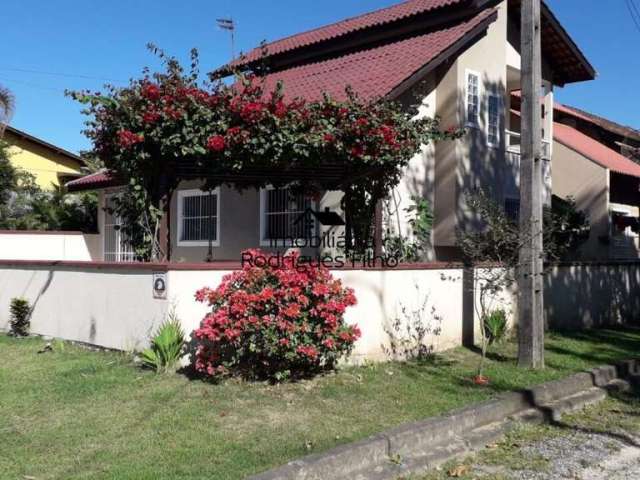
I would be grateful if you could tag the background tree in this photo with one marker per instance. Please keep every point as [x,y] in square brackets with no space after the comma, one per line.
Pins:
[7,106]
[492,250]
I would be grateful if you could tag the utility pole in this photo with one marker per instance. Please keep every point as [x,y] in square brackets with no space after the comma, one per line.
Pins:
[530,270]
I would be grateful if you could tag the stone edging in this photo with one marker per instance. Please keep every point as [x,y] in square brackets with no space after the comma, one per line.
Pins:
[428,443]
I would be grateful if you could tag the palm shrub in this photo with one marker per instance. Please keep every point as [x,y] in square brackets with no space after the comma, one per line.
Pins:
[495,326]
[20,317]
[166,346]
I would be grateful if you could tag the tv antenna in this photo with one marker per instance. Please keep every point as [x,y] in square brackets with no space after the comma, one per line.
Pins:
[229,25]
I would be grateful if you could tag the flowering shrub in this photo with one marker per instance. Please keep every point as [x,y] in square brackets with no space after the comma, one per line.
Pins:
[167,123]
[274,321]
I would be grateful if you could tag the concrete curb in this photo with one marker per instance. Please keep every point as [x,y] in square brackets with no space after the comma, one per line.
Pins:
[425,444]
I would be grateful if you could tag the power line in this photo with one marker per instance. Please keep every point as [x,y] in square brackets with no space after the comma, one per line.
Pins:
[60,74]
[31,85]
[634,12]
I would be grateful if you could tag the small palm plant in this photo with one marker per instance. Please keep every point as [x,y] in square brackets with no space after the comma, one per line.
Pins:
[166,346]
[496,326]
[20,317]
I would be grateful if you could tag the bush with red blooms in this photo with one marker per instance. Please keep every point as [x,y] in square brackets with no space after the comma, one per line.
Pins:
[274,321]
[168,124]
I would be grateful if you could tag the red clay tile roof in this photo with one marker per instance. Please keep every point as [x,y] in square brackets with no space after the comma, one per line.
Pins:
[594,150]
[373,72]
[384,16]
[601,122]
[100,179]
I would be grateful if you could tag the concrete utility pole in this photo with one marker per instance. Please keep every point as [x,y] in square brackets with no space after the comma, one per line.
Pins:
[530,280]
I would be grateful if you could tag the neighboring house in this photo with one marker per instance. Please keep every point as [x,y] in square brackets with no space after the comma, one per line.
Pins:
[621,138]
[50,165]
[591,164]
[459,58]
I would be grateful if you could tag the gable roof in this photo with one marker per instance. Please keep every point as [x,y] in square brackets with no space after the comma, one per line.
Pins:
[100,179]
[376,18]
[410,16]
[594,150]
[379,71]
[49,146]
[604,123]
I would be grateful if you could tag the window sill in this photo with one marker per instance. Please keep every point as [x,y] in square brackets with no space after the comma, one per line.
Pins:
[197,244]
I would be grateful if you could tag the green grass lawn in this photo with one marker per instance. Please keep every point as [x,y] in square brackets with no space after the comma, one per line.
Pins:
[74,413]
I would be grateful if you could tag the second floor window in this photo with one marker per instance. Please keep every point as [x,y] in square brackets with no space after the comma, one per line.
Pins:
[198,217]
[473,98]
[493,119]
[285,216]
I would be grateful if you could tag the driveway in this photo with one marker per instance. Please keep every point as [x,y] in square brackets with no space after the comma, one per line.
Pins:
[600,443]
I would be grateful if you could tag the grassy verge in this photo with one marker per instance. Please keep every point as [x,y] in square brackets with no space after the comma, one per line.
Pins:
[76,414]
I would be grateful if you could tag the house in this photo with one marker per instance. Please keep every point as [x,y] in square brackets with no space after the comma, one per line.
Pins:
[593,162]
[49,164]
[458,59]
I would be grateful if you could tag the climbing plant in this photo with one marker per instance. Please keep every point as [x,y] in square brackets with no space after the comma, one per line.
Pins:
[167,126]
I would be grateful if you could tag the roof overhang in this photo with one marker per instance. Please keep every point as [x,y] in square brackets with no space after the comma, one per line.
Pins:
[568,63]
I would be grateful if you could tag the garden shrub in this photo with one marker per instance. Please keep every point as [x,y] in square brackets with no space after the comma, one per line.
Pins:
[274,320]
[166,346]
[496,326]
[20,317]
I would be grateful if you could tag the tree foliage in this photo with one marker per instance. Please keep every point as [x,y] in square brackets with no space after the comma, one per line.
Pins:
[168,126]
[24,206]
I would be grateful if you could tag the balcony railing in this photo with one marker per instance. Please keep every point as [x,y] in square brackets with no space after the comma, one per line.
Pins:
[513,142]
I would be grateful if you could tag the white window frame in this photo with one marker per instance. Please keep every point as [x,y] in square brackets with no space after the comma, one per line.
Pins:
[498,97]
[467,122]
[124,253]
[193,193]
[267,242]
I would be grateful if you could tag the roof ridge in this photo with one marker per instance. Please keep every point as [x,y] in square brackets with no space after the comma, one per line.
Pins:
[427,5]
[344,20]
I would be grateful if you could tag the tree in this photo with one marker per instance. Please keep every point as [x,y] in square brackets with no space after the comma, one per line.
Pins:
[493,251]
[7,106]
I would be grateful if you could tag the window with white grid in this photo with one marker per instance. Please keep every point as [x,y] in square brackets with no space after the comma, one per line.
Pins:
[493,119]
[116,246]
[198,218]
[285,216]
[473,98]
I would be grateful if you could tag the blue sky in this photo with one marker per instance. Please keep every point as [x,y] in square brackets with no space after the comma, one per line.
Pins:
[87,42]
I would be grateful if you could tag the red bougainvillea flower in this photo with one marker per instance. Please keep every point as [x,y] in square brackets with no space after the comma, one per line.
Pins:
[357,151]
[150,116]
[329,138]
[151,91]
[252,111]
[216,143]
[128,139]
[280,109]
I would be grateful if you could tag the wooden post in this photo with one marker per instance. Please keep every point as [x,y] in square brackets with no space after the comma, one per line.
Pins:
[377,230]
[530,285]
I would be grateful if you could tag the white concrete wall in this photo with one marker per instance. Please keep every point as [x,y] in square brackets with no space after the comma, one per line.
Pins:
[110,307]
[113,306]
[70,246]
[432,297]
